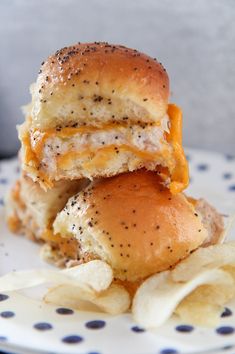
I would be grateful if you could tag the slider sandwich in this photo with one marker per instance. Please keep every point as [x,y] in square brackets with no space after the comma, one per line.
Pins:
[98,110]
[101,112]
[136,225]
[31,211]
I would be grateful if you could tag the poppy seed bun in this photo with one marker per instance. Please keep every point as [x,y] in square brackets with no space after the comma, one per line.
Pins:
[99,110]
[95,83]
[132,222]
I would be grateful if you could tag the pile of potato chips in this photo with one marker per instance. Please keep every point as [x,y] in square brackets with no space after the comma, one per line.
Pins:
[196,289]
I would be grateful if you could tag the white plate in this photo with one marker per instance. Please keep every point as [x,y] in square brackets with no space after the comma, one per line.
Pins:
[26,324]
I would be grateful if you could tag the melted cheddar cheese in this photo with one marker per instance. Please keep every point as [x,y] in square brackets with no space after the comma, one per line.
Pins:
[180,174]
[175,161]
[101,156]
[14,223]
[32,160]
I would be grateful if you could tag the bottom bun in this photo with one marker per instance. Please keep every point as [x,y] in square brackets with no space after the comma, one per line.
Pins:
[133,223]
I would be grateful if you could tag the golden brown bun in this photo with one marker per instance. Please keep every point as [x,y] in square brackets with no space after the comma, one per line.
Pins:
[95,83]
[133,223]
[99,110]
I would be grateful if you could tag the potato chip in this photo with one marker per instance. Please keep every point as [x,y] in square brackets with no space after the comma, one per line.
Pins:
[96,275]
[230,269]
[70,296]
[114,300]
[211,257]
[157,298]
[196,289]
[229,227]
[199,313]
[205,304]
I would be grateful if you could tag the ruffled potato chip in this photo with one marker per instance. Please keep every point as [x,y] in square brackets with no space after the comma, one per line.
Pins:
[211,257]
[96,275]
[204,305]
[114,300]
[157,298]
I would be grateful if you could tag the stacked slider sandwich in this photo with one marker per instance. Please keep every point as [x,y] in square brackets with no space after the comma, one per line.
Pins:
[104,168]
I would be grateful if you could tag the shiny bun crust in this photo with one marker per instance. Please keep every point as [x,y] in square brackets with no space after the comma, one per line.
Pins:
[94,83]
[132,222]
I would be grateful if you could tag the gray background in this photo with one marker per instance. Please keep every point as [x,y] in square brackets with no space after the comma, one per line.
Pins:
[195,40]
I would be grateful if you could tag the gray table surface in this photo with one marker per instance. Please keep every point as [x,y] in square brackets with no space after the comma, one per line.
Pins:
[194,39]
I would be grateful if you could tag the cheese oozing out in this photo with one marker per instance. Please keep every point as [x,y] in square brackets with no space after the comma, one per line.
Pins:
[55,153]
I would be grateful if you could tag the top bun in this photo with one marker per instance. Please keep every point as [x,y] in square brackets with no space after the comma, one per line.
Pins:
[94,83]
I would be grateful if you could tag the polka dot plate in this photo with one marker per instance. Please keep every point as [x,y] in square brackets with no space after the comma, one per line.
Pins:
[29,326]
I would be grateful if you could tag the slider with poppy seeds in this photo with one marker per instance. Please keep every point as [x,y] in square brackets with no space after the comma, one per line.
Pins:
[98,110]
[30,211]
[103,175]
[136,225]
[101,112]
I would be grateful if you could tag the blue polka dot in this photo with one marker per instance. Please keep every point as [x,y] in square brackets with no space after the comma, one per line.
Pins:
[74,339]
[188,157]
[17,170]
[232,188]
[168,351]
[227,175]
[227,347]
[202,167]
[3,339]
[229,157]
[93,353]
[97,324]
[43,326]
[1,201]
[3,297]
[3,181]
[226,313]
[7,314]
[64,311]
[225,330]
[137,329]
[184,328]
